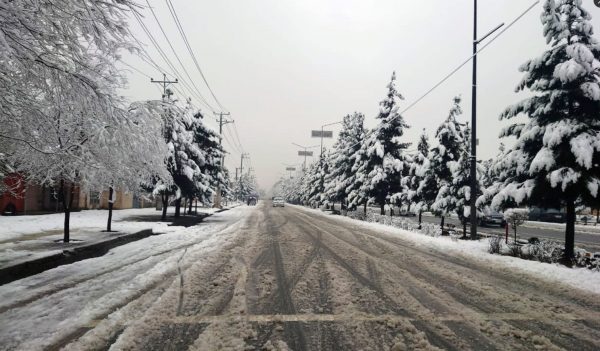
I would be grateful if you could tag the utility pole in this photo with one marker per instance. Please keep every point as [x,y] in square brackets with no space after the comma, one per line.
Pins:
[473,158]
[242,157]
[221,123]
[165,83]
[165,96]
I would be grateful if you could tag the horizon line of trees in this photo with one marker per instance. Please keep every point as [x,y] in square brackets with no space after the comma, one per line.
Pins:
[554,163]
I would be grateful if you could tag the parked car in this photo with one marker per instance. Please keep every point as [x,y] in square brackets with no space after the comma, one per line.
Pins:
[278,202]
[490,218]
[547,215]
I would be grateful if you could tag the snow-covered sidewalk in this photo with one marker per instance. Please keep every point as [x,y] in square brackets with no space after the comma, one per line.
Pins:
[41,310]
[25,238]
[580,278]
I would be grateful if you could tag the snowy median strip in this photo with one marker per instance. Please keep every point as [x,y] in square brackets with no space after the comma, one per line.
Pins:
[580,278]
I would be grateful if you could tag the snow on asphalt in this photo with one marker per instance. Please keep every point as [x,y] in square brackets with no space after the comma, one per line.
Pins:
[44,309]
[580,278]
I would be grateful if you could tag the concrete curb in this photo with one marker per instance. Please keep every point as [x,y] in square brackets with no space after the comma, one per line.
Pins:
[25,269]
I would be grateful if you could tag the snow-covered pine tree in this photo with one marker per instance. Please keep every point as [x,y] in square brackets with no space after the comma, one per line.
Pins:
[387,153]
[451,143]
[416,175]
[359,184]
[554,162]
[212,174]
[316,181]
[460,188]
[341,177]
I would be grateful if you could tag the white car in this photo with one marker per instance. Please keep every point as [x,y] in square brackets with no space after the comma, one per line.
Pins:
[278,202]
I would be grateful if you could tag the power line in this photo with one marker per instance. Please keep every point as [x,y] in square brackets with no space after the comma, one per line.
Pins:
[237,136]
[184,36]
[237,147]
[175,52]
[167,61]
[445,78]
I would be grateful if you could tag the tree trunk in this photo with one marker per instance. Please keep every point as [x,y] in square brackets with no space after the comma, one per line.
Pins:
[464,223]
[442,222]
[597,215]
[110,208]
[365,208]
[420,217]
[570,230]
[67,204]
[190,203]
[382,209]
[392,211]
[177,207]
[165,203]
[66,237]
[515,231]
[408,209]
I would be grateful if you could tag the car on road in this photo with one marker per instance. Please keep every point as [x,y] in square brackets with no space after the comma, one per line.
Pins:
[547,215]
[278,202]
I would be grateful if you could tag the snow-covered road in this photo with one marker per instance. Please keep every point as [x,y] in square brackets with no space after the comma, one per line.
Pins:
[289,278]
[51,309]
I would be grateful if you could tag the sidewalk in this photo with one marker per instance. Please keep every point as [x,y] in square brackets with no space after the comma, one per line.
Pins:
[32,244]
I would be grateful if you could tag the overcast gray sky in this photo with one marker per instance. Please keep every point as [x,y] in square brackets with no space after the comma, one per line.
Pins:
[284,67]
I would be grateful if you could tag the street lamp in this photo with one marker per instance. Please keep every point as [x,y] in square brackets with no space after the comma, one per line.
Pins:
[305,153]
[473,157]
[324,133]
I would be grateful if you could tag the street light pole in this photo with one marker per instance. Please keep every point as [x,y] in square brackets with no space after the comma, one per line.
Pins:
[473,197]
[305,155]
[473,157]
[323,132]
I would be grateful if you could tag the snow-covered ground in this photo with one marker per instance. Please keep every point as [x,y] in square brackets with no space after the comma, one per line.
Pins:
[580,278]
[30,237]
[22,227]
[61,300]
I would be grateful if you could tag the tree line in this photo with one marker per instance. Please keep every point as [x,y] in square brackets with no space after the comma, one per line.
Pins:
[553,162]
[64,125]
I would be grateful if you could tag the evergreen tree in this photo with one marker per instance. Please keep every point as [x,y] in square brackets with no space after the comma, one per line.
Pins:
[341,178]
[460,189]
[416,176]
[316,181]
[386,154]
[358,189]
[554,162]
[450,146]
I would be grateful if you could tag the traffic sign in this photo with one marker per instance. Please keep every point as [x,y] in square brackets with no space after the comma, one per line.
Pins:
[290,169]
[305,153]
[322,134]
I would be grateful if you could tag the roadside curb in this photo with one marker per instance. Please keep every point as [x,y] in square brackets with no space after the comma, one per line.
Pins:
[26,269]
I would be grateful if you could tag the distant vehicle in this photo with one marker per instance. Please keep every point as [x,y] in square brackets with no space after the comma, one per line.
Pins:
[406,213]
[547,215]
[492,218]
[488,218]
[278,202]
[252,201]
